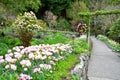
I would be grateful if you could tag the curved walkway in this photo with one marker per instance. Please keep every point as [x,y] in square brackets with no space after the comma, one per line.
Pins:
[104,64]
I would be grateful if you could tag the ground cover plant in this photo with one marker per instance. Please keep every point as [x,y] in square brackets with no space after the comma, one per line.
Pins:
[112,44]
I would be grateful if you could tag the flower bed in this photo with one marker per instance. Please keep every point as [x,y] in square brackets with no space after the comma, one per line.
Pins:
[112,44]
[33,62]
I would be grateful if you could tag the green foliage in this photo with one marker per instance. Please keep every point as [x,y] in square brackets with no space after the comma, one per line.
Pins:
[115,30]
[8,76]
[10,41]
[63,24]
[112,44]
[75,7]
[0,32]
[26,25]
[62,68]
[56,6]
[80,45]
[76,77]
[36,41]
[51,39]
[60,24]
[58,38]
[114,2]
[3,48]
[22,5]
[99,12]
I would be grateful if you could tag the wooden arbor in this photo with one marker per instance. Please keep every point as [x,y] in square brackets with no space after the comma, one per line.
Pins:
[89,16]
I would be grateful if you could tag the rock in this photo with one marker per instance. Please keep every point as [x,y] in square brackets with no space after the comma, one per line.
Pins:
[81,68]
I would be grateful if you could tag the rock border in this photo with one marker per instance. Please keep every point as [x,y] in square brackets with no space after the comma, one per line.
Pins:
[81,68]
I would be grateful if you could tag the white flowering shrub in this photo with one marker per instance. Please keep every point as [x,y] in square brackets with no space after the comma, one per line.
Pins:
[31,63]
[26,25]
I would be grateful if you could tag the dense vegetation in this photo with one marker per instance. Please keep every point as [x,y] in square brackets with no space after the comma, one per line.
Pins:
[59,69]
[24,41]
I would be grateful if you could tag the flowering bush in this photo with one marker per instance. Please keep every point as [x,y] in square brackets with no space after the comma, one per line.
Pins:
[33,62]
[112,44]
[26,25]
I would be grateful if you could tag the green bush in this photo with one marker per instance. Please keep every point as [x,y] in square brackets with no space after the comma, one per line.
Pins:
[3,48]
[36,41]
[0,32]
[63,24]
[10,41]
[51,39]
[57,38]
[115,30]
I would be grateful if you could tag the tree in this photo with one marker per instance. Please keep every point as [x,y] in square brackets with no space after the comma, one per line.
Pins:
[21,5]
[58,7]
[72,11]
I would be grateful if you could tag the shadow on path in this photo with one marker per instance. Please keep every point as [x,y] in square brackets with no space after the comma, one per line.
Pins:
[104,64]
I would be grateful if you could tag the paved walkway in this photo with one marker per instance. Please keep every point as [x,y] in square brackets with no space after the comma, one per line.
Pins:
[104,64]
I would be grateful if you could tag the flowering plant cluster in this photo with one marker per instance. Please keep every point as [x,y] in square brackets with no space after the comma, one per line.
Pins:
[30,61]
[26,25]
[112,44]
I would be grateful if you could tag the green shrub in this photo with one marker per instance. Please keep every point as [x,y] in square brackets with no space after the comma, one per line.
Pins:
[0,32]
[36,41]
[63,24]
[10,41]
[3,48]
[115,30]
[57,38]
[51,39]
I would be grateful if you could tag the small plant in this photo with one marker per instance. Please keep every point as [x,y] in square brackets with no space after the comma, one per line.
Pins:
[80,45]
[11,41]
[26,25]
[3,48]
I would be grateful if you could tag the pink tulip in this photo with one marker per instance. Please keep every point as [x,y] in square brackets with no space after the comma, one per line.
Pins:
[13,67]
[37,70]
[24,77]
[25,63]
[2,61]
[17,55]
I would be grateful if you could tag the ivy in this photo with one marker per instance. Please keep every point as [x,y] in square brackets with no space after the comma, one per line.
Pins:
[102,12]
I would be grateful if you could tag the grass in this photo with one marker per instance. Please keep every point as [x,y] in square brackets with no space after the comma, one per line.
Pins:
[63,68]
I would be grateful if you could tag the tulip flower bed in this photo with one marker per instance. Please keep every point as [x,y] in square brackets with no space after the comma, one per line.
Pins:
[112,44]
[33,62]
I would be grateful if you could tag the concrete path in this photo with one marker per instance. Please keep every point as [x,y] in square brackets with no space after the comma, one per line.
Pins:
[104,64]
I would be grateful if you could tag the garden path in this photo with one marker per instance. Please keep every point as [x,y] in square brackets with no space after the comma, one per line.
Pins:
[104,64]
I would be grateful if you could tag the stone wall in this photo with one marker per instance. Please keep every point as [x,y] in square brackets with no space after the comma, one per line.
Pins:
[81,68]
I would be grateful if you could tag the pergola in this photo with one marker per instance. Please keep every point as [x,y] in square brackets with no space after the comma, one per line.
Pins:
[89,16]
